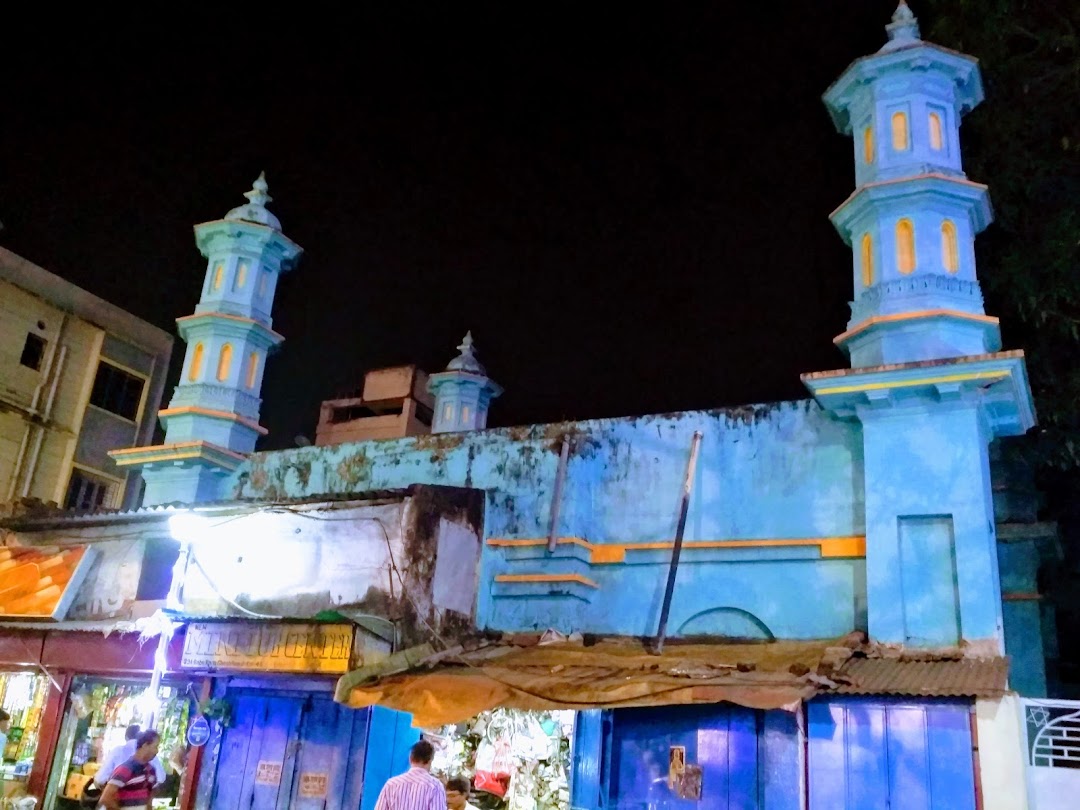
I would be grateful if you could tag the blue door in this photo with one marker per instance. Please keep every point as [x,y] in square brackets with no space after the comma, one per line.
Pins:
[890,754]
[720,739]
[290,750]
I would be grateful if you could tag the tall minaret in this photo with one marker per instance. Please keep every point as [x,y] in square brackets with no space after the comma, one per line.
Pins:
[928,381]
[912,219]
[462,392]
[212,422]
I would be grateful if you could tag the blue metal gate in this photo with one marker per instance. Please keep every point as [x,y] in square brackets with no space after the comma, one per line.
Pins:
[867,753]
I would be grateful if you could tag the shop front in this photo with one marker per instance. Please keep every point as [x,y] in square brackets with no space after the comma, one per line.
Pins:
[279,739]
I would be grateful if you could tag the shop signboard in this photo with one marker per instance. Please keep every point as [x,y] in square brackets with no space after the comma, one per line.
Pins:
[278,647]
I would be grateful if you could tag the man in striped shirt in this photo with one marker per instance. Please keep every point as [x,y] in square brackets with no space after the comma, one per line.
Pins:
[417,789]
[132,784]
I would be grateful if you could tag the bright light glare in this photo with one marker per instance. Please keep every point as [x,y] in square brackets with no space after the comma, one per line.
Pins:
[187,527]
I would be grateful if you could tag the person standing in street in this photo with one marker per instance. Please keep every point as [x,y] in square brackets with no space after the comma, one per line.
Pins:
[416,789]
[121,754]
[131,785]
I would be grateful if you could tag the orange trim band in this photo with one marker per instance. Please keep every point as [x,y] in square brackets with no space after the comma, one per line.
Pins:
[608,553]
[1021,597]
[912,316]
[234,417]
[551,578]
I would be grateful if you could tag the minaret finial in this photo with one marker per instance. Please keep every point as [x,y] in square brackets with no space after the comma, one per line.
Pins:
[904,28]
[466,361]
[258,195]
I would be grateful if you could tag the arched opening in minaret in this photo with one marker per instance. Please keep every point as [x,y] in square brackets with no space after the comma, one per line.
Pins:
[224,362]
[937,138]
[252,369]
[195,369]
[905,246]
[899,131]
[950,252]
[868,145]
[241,276]
[219,276]
[867,257]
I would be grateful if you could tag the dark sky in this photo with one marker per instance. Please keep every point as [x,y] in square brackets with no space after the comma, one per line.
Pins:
[629,210]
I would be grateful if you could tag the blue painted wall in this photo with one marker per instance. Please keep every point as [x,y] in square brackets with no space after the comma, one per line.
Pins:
[784,471]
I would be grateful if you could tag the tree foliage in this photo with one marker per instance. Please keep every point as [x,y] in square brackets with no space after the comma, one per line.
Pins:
[1025,142]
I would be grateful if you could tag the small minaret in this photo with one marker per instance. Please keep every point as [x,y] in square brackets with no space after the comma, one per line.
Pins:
[212,422]
[912,220]
[462,392]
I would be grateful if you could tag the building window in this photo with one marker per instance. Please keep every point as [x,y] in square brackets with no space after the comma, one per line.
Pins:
[905,246]
[867,260]
[87,492]
[196,362]
[224,362]
[950,254]
[241,276]
[899,132]
[252,369]
[33,351]
[447,412]
[117,392]
[465,413]
[219,276]
[264,283]
[868,145]
[937,140]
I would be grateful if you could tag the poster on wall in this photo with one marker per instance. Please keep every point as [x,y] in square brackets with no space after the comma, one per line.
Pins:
[313,785]
[268,773]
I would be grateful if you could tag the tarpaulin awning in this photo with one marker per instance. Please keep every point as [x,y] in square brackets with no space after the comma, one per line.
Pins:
[438,688]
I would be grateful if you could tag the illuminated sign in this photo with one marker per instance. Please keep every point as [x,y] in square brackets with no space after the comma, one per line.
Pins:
[249,646]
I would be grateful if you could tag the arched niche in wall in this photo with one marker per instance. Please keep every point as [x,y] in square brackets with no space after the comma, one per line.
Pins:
[731,622]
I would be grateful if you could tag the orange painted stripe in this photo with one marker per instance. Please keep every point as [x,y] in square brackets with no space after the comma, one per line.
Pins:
[169,452]
[606,553]
[963,181]
[234,417]
[553,578]
[1021,597]
[912,316]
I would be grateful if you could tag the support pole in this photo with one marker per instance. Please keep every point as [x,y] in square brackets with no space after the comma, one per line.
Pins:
[556,497]
[676,551]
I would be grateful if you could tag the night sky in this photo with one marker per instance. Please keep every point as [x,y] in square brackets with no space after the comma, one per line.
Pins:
[630,211]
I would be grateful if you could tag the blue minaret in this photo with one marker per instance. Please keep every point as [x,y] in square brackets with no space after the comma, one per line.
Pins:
[212,422]
[462,392]
[912,219]
[928,381]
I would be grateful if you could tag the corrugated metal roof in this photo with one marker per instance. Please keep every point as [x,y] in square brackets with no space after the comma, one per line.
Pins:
[40,582]
[968,677]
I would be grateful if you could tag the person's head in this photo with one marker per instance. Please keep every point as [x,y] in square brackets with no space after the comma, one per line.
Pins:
[5,721]
[421,754]
[132,732]
[146,745]
[457,793]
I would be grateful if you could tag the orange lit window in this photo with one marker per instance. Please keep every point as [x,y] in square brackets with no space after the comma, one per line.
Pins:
[196,362]
[899,132]
[937,140]
[224,362]
[868,144]
[252,369]
[241,276]
[867,260]
[264,283]
[219,276]
[905,246]
[950,253]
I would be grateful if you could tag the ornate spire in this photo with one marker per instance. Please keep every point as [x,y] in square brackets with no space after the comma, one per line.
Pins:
[466,361]
[255,209]
[904,28]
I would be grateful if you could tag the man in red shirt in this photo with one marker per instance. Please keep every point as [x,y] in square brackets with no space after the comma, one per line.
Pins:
[132,784]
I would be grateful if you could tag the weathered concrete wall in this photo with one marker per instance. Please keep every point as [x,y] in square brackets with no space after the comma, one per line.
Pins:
[785,479]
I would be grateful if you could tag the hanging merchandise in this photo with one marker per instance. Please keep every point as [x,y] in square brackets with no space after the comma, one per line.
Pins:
[516,759]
